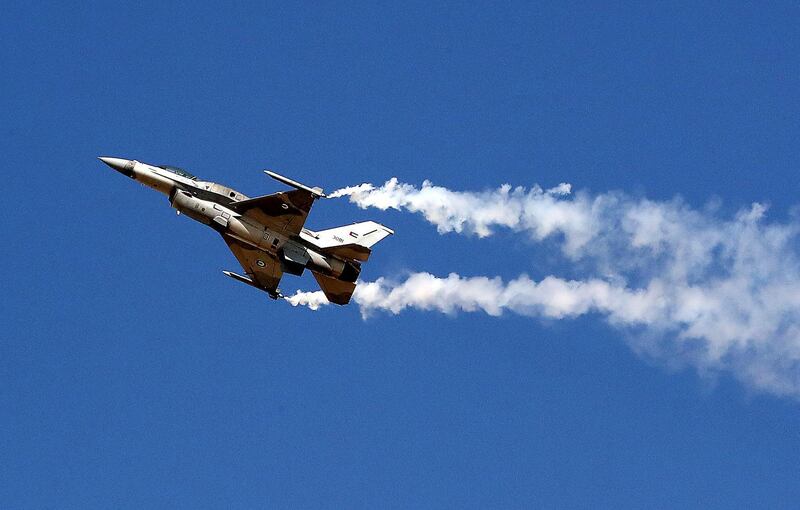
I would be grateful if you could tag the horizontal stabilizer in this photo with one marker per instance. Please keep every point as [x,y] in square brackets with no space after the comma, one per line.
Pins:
[349,251]
[337,291]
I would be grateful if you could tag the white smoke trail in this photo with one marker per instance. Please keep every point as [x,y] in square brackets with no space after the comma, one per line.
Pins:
[552,297]
[536,210]
[718,293]
[313,300]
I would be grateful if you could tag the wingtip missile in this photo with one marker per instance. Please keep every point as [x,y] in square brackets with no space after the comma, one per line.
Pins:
[241,278]
[316,191]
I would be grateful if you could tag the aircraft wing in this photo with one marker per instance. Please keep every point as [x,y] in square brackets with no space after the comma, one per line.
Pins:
[284,212]
[261,268]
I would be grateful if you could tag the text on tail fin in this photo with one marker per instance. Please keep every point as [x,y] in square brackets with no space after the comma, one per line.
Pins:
[350,241]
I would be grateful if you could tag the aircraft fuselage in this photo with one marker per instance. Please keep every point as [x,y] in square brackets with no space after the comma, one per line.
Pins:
[207,202]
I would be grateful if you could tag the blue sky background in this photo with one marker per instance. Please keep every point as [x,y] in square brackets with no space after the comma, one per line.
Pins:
[134,374]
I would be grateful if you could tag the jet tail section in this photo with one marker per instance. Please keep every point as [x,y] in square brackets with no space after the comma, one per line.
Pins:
[350,241]
[337,291]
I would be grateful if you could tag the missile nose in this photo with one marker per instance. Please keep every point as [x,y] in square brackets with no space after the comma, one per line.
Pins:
[123,166]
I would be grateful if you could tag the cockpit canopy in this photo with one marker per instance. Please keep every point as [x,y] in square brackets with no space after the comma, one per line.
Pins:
[178,171]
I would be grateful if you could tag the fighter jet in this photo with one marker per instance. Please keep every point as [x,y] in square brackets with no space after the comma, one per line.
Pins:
[266,233]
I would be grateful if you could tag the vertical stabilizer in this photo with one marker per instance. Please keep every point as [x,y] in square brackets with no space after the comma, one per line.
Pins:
[350,241]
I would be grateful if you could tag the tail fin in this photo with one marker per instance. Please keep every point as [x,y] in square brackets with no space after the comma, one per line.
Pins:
[350,241]
[337,291]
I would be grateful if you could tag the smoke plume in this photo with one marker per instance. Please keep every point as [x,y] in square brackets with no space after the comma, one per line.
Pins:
[718,293]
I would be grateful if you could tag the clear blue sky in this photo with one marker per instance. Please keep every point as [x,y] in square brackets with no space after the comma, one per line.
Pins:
[133,374]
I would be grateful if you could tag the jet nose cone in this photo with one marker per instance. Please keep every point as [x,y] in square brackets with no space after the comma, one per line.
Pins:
[123,166]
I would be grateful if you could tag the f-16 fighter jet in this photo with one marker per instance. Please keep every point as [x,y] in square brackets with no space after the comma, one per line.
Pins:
[266,233]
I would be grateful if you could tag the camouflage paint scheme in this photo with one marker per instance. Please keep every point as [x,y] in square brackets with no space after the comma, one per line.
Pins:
[266,233]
